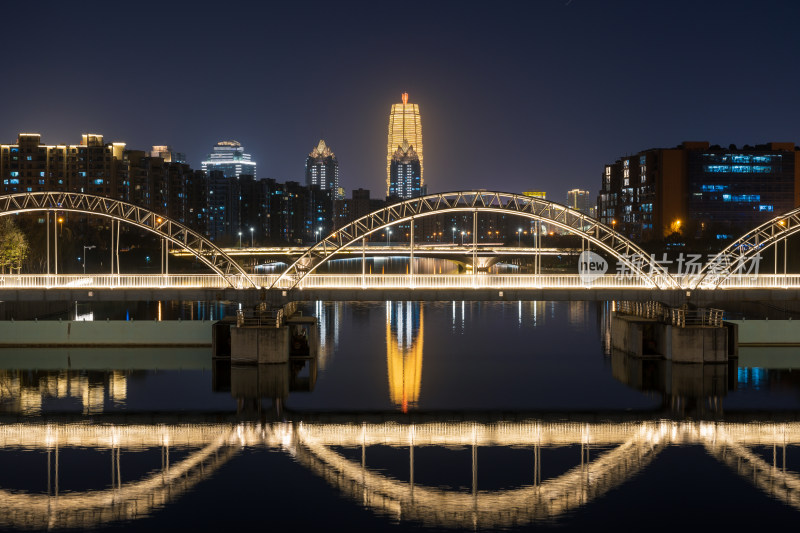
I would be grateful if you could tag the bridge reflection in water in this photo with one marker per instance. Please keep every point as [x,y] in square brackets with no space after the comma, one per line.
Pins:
[621,449]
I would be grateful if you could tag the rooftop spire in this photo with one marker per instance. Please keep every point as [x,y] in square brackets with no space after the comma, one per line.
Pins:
[404,96]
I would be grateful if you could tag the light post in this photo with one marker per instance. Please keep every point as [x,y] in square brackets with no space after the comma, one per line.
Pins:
[454,234]
[519,238]
[316,234]
[251,236]
[84,256]
[55,250]
[240,239]
[462,238]
[388,237]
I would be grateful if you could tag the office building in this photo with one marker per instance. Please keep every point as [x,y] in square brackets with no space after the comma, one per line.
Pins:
[322,169]
[405,126]
[229,158]
[699,190]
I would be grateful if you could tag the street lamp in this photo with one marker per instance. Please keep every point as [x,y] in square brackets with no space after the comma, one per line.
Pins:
[454,234]
[84,256]
[240,239]
[251,236]
[316,234]
[388,237]
[519,238]
[55,248]
[462,238]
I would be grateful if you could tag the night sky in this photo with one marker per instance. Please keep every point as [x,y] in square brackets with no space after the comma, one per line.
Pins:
[514,96]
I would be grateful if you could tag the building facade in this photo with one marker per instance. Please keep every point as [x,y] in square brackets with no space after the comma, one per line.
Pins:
[699,190]
[92,167]
[580,201]
[405,126]
[229,158]
[322,169]
[405,173]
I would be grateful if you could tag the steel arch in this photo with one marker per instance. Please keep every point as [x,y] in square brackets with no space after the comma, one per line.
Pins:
[186,238]
[479,201]
[737,254]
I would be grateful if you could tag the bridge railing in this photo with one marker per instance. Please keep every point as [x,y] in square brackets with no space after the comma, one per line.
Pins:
[389,281]
[682,317]
[111,281]
[461,281]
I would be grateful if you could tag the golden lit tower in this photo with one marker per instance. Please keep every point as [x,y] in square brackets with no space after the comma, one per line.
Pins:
[404,125]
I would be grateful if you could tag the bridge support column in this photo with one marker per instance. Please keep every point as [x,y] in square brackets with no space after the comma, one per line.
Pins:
[411,259]
[47,225]
[474,247]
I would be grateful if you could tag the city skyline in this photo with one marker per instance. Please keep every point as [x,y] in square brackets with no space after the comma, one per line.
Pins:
[556,81]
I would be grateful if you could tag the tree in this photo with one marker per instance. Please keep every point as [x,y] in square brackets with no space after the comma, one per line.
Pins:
[13,245]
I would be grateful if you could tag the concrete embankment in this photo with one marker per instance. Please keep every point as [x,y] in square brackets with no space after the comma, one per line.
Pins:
[768,332]
[105,333]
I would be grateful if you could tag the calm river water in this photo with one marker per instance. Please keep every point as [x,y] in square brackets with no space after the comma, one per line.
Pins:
[413,416]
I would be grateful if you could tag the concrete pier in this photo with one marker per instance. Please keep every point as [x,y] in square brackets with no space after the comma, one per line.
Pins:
[267,336]
[647,337]
[254,344]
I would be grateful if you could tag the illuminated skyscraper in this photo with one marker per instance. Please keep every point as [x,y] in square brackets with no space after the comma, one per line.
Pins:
[229,158]
[404,126]
[405,173]
[322,169]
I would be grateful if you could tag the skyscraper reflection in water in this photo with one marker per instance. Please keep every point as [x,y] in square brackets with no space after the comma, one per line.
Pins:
[404,340]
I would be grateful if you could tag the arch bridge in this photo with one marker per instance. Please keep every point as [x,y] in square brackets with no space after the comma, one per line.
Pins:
[537,209]
[610,454]
[118,211]
[732,268]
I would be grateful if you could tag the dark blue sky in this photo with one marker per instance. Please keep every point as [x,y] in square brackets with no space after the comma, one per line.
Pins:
[514,96]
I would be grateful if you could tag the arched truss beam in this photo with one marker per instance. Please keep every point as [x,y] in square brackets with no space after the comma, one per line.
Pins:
[435,507]
[638,262]
[738,256]
[777,482]
[128,501]
[142,218]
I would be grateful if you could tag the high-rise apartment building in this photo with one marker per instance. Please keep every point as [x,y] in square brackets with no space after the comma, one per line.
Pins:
[322,169]
[706,190]
[166,153]
[579,200]
[405,173]
[404,127]
[92,167]
[228,157]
